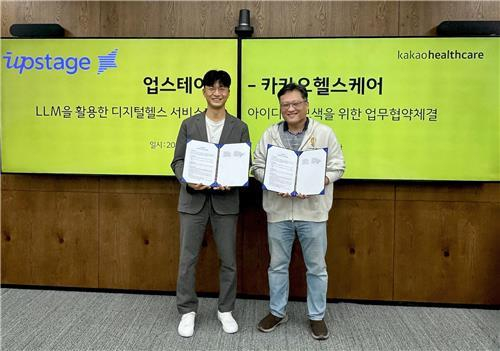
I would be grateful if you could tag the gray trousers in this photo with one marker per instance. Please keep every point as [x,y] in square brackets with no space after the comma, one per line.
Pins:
[192,231]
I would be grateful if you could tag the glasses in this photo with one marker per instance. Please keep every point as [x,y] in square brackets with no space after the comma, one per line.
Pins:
[295,104]
[222,90]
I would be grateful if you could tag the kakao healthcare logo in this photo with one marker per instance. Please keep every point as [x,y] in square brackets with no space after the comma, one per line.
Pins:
[67,64]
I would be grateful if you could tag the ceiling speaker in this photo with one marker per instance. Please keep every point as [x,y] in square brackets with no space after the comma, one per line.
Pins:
[32,30]
[468,28]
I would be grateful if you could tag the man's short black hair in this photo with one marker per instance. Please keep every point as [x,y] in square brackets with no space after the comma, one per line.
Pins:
[213,76]
[292,87]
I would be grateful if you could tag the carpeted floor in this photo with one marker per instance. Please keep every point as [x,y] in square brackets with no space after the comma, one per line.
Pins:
[68,320]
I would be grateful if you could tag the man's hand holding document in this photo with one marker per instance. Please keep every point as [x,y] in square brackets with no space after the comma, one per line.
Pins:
[298,173]
[216,165]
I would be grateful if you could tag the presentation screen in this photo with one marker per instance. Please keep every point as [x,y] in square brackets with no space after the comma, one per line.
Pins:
[402,108]
[103,106]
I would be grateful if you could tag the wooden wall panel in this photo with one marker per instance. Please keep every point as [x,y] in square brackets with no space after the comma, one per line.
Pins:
[17,226]
[138,241]
[360,249]
[140,185]
[207,19]
[449,191]
[447,252]
[169,19]
[420,18]
[199,18]
[11,13]
[50,238]
[254,253]
[50,182]
[218,18]
[367,190]
[372,18]
[321,18]
[64,239]
[130,19]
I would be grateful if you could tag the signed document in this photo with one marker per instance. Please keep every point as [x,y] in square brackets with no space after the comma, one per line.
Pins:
[216,164]
[234,161]
[295,172]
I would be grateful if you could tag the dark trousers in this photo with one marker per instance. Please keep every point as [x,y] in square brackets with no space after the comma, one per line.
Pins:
[192,231]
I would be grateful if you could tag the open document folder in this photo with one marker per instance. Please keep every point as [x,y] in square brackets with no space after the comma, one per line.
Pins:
[295,172]
[216,164]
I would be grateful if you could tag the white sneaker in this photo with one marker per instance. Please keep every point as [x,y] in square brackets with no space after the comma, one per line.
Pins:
[186,325]
[229,325]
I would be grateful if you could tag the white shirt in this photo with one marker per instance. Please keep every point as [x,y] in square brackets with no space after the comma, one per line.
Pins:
[214,129]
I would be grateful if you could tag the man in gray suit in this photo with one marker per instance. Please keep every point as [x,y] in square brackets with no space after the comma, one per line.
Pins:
[200,203]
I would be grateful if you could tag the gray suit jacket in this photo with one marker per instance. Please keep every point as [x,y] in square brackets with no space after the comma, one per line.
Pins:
[190,200]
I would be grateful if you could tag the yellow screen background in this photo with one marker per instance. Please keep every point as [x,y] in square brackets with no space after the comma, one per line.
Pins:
[462,143]
[34,141]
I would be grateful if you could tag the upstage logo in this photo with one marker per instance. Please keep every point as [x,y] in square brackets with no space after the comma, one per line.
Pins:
[107,61]
[70,65]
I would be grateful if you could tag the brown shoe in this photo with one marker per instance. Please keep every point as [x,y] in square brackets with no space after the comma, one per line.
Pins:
[270,322]
[319,330]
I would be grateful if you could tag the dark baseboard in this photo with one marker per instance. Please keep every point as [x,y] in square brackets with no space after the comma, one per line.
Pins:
[255,297]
